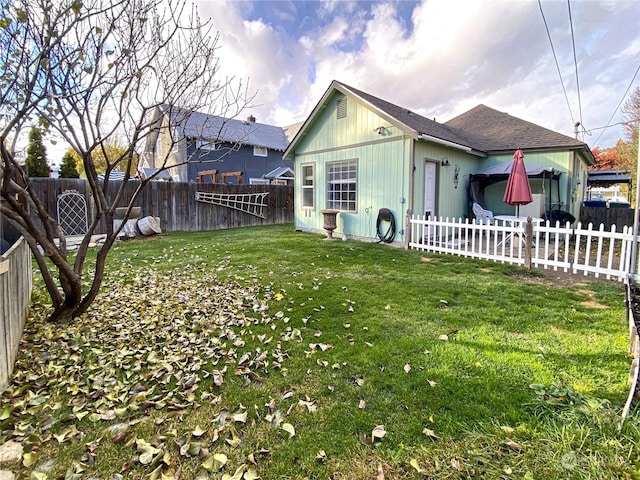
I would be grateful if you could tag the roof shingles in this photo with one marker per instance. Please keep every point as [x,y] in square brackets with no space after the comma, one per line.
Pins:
[211,127]
[481,128]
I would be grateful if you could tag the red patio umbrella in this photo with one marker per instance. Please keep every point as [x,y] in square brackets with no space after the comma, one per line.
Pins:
[518,191]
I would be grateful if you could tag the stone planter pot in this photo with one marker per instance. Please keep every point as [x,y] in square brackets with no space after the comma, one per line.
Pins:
[329,222]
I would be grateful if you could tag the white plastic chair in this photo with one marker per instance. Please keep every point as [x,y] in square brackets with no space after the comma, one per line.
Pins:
[483,216]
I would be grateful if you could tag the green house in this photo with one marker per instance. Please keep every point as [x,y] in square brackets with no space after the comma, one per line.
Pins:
[357,154]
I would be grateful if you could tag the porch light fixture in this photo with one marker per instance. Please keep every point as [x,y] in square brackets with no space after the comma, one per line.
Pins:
[445,162]
[379,130]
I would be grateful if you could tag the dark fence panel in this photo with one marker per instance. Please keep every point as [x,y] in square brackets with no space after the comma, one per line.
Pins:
[609,216]
[175,203]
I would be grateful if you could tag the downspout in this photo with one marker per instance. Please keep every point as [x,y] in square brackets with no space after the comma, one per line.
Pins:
[412,171]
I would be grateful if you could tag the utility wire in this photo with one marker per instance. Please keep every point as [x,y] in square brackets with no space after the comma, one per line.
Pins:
[555,58]
[616,110]
[575,62]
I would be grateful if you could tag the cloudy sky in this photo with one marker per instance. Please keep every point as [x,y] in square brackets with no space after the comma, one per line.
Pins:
[438,57]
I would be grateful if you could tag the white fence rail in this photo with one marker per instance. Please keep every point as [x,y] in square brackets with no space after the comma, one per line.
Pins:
[579,250]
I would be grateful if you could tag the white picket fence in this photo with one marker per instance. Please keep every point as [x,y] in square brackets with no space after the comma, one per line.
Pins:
[578,250]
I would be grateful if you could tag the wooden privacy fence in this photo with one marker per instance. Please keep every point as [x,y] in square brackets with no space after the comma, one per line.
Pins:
[175,204]
[579,250]
[15,295]
[606,216]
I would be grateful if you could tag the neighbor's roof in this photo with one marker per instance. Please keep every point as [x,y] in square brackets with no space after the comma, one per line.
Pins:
[494,131]
[212,127]
[280,172]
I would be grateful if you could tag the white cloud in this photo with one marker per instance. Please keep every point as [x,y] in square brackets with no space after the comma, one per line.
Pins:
[446,58]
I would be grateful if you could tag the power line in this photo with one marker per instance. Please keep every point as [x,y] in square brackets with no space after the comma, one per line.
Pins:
[620,103]
[575,61]
[555,58]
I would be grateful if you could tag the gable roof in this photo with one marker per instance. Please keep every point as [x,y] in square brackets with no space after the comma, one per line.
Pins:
[212,127]
[494,131]
[418,125]
[480,131]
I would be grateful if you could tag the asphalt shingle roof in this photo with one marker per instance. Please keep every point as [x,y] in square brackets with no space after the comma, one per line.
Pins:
[416,122]
[212,127]
[495,131]
[481,128]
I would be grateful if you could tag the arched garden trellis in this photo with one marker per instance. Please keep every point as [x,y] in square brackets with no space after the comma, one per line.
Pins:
[72,213]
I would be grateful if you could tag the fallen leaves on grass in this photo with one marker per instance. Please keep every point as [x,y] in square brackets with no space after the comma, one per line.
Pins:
[152,343]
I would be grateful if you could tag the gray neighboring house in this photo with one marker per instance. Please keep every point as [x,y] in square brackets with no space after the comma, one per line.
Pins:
[210,148]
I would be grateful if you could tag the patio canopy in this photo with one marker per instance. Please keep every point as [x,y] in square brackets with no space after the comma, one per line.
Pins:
[606,178]
[478,181]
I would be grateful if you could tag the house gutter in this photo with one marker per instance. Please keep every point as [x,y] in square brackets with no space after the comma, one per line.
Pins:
[446,143]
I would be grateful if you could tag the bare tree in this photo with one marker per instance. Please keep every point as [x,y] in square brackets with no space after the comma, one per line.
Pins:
[94,72]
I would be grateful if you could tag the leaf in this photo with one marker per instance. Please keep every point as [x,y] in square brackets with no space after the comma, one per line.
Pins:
[198,432]
[362,404]
[146,450]
[321,456]
[430,433]
[407,368]
[29,459]
[431,383]
[513,444]
[155,475]
[5,413]
[287,427]
[414,463]
[215,463]
[443,337]
[237,475]
[240,417]
[378,432]
[251,474]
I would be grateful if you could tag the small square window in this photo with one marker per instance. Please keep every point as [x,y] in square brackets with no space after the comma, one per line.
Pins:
[204,144]
[259,151]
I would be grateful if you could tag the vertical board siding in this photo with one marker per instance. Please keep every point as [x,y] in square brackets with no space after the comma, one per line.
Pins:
[175,205]
[383,163]
[15,295]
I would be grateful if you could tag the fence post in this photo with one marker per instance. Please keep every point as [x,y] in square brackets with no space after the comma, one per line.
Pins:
[528,242]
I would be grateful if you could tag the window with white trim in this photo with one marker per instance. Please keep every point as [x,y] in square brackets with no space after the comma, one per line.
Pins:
[308,186]
[341,185]
[204,144]
[259,151]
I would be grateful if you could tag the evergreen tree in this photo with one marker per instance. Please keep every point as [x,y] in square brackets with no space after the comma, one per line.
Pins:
[36,160]
[69,167]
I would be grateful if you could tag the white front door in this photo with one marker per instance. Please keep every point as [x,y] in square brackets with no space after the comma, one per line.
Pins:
[429,192]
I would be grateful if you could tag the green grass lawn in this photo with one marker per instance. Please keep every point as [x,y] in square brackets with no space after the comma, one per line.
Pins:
[264,352]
